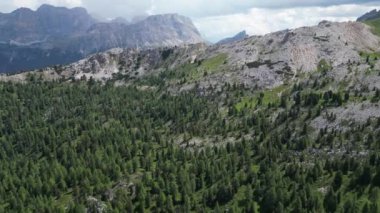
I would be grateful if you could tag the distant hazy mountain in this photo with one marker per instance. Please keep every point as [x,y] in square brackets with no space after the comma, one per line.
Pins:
[238,37]
[24,26]
[374,14]
[57,35]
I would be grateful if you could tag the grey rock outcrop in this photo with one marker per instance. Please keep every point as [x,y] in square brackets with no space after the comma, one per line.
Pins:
[353,113]
[271,60]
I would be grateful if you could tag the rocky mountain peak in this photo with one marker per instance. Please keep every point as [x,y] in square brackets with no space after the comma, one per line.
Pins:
[173,20]
[374,14]
[120,20]
[47,8]
[22,10]
[163,16]
[60,21]
[27,26]
[240,36]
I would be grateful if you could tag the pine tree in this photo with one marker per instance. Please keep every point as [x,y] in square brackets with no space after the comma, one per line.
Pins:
[330,202]
[337,182]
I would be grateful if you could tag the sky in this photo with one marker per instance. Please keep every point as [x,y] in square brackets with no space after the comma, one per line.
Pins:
[217,19]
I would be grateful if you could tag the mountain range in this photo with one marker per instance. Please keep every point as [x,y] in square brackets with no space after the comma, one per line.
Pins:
[58,35]
[257,62]
[372,15]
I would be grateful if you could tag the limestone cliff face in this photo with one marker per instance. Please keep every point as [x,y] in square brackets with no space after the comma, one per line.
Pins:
[155,31]
[57,35]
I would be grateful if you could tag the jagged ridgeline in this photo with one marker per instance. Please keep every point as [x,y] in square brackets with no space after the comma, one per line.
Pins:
[373,19]
[286,122]
[57,35]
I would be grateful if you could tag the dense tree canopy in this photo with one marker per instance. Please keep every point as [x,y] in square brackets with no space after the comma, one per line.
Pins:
[83,145]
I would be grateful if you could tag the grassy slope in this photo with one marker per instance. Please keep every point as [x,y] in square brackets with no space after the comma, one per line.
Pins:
[375,24]
[269,96]
[209,66]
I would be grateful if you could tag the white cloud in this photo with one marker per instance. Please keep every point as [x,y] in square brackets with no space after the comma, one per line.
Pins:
[152,8]
[24,3]
[33,4]
[259,21]
[200,8]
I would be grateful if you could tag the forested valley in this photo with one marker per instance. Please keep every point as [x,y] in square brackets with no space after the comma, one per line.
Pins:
[84,145]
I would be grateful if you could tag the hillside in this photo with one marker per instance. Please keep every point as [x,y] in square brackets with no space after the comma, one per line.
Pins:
[375,24]
[285,122]
[57,35]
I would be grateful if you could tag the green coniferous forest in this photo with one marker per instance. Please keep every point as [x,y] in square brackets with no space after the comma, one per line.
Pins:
[83,146]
